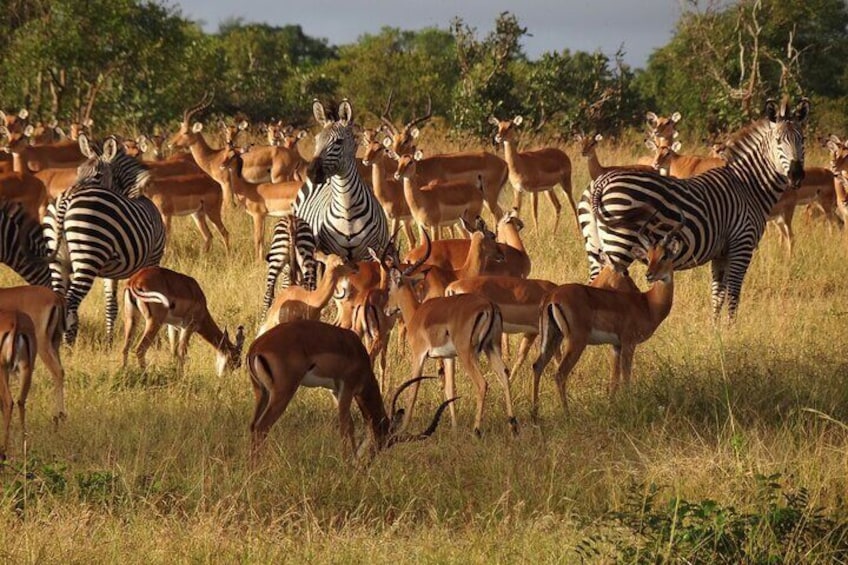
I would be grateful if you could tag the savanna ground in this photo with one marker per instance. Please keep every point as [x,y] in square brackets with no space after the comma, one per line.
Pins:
[731,445]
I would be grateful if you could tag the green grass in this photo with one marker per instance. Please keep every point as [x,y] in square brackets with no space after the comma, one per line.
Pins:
[152,466]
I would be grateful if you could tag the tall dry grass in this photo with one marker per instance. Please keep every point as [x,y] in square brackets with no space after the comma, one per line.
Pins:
[152,466]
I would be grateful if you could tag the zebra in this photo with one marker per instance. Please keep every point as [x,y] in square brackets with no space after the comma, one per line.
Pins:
[343,213]
[293,246]
[22,245]
[98,231]
[724,209]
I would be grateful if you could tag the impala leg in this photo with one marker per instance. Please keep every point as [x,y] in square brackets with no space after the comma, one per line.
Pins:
[551,340]
[258,236]
[573,351]
[199,218]
[627,352]
[48,352]
[517,200]
[534,202]
[214,214]
[497,364]
[6,405]
[166,221]
[130,319]
[787,229]
[615,370]
[25,371]
[566,189]
[557,207]
[151,328]
[345,397]
[276,403]
[110,288]
[450,387]
[527,341]
[418,364]
[472,367]
[410,237]
[182,349]
[173,340]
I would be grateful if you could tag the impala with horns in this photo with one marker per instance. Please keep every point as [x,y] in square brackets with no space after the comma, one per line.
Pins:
[314,354]
[464,166]
[298,303]
[587,315]
[161,296]
[17,357]
[589,150]
[46,311]
[437,203]
[259,200]
[447,328]
[387,189]
[534,171]
[210,160]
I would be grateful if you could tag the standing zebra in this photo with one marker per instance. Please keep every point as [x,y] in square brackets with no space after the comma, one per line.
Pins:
[293,245]
[22,245]
[724,209]
[103,231]
[344,214]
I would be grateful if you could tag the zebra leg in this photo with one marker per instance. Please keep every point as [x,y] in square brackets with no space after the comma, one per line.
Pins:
[270,284]
[130,320]
[737,267]
[719,286]
[199,218]
[557,207]
[110,289]
[591,236]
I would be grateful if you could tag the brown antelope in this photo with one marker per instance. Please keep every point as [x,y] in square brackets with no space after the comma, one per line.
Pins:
[368,275]
[65,154]
[373,326]
[534,171]
[661,129]
[210,160]
[21,186]
[589,150]
[437,203]
[465,166]
[178,164]
[278,161]
[288,164]
[314,354]
[46,310]
[839,167]
[259,200]
[445,328]
[817,187]
[387,189]
[198,196]
[586,315]
[668,162]
[297,303]
[17,356]
[162,296]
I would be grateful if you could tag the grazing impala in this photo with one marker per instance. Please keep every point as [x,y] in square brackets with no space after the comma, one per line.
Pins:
[46,310]
[437,203]
[534,171]
[589,150]
[669,162]
[259,200]
[17,356]
[387,189]
[446,328]
[586,315]
[314,354]
[297,303]
[162,296]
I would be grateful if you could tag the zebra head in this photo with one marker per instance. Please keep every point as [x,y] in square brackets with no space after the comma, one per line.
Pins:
[335,145]
[786,138]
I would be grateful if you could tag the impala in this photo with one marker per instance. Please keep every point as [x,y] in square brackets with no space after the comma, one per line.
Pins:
[259,200]
[587,315]
[288,164]
[46,310]
[19,185]
[661,129]
[534,171]
[178,164]
[314,354]
[669,162]
[589,150]
[816,188]
[446,328]
[210,160]
[17,356]
[297,303]
[465,166]
[839,167]
[437,203]
[388,190]
[161,296]
[373,326]
[39,157]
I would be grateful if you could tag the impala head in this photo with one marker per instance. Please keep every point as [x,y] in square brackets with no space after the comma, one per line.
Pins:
[403,140]
[272,131]
[232,131]
[335,145]
[838,152]
[406,162]
[399,279]
[588,143]
[78,128]
[228,357]
[511,217]
[135,147]
[659,256]
[785,143]
[373,144]
[16,141]
[189,133]
[662,128]
[718,149]
[290,136]
[506,129]
[663,152]
[336,266]
[15,122]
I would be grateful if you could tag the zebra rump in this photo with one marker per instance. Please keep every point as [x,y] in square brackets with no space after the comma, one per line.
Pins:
[292,255]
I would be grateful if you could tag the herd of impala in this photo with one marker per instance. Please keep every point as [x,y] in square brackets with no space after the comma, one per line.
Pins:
[451,298]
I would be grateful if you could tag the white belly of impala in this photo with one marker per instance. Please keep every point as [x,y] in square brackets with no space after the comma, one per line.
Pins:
[598,337]
[442,351]
[313,380]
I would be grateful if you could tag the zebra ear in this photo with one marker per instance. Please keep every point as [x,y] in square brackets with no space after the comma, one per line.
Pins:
[85,147]
[319,113]
[771,110]
[110,150]
[345,112]
[802,111]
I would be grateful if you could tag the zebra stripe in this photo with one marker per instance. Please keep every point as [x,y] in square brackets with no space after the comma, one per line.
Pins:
[292,246]
[724,209]
[345,216]
[102,233]
[22,245]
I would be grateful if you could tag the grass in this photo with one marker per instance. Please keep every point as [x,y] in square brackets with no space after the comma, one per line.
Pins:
[731,446]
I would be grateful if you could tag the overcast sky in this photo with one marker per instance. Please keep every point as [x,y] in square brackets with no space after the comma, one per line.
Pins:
[586,25]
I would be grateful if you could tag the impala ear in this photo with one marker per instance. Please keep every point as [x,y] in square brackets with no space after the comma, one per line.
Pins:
[387,142]
[242,125]
[302,133]
[414,132]
[88,123]
[85,147]
[599,137]
[197,127]
[518,120]
[673,247]
[676,146]
[23,114]
[652,119]
[675,117]
[396,277]
[494,121]
[651,144]
[418,155]
[29,130]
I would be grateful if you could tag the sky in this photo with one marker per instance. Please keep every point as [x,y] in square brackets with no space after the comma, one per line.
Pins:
[579,25]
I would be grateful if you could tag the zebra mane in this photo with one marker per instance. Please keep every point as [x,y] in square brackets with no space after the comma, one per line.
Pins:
[739,145]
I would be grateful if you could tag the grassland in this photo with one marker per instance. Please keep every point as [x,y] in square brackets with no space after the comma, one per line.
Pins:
[731,446]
